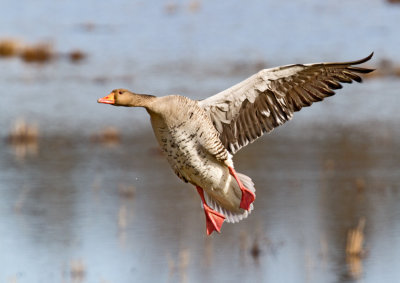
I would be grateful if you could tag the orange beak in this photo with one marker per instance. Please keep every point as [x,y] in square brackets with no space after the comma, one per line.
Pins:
[109,99]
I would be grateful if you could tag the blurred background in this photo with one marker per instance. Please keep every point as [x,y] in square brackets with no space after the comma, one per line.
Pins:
[85,195]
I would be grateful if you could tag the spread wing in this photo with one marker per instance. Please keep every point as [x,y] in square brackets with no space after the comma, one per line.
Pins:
[266,100]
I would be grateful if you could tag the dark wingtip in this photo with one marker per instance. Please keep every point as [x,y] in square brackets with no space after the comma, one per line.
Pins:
[360,69]
[369,71]
[357,62]
[363,60]
[369,56]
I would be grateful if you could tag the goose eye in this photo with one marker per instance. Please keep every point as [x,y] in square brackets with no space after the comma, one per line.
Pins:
[119,92]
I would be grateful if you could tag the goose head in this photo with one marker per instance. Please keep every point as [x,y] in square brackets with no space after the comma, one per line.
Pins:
[124,97]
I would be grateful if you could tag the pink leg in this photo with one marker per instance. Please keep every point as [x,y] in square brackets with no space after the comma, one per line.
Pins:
[214,220]
[247,196]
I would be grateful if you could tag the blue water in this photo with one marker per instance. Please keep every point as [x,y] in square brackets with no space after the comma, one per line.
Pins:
[61,203]
[140,46]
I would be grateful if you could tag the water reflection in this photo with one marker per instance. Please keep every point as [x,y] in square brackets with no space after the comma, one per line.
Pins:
[119,212]
[355,250]
[23,138]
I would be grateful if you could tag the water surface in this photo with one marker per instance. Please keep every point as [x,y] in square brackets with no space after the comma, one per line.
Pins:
[75,210]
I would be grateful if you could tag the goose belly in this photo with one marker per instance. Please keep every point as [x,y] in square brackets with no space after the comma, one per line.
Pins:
[190,161]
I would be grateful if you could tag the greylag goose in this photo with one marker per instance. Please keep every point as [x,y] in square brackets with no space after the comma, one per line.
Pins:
[199,138]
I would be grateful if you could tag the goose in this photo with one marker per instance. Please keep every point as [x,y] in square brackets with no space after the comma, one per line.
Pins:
[200,137]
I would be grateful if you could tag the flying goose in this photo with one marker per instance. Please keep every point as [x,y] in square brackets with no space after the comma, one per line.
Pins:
[199,138]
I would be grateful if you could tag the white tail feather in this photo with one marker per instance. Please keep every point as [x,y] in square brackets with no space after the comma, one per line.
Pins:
[232,217]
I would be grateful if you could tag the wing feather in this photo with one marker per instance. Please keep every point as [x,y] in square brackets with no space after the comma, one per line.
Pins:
[268,99]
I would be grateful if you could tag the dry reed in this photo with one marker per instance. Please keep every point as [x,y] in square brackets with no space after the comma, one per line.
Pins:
[23,133]
[9,47]
[39,53]
[355,240]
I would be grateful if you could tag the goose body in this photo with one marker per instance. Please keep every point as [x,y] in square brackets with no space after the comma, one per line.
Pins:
[199,138]
[193,149]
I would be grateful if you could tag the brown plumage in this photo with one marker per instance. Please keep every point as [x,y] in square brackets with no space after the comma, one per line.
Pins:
[200,137]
